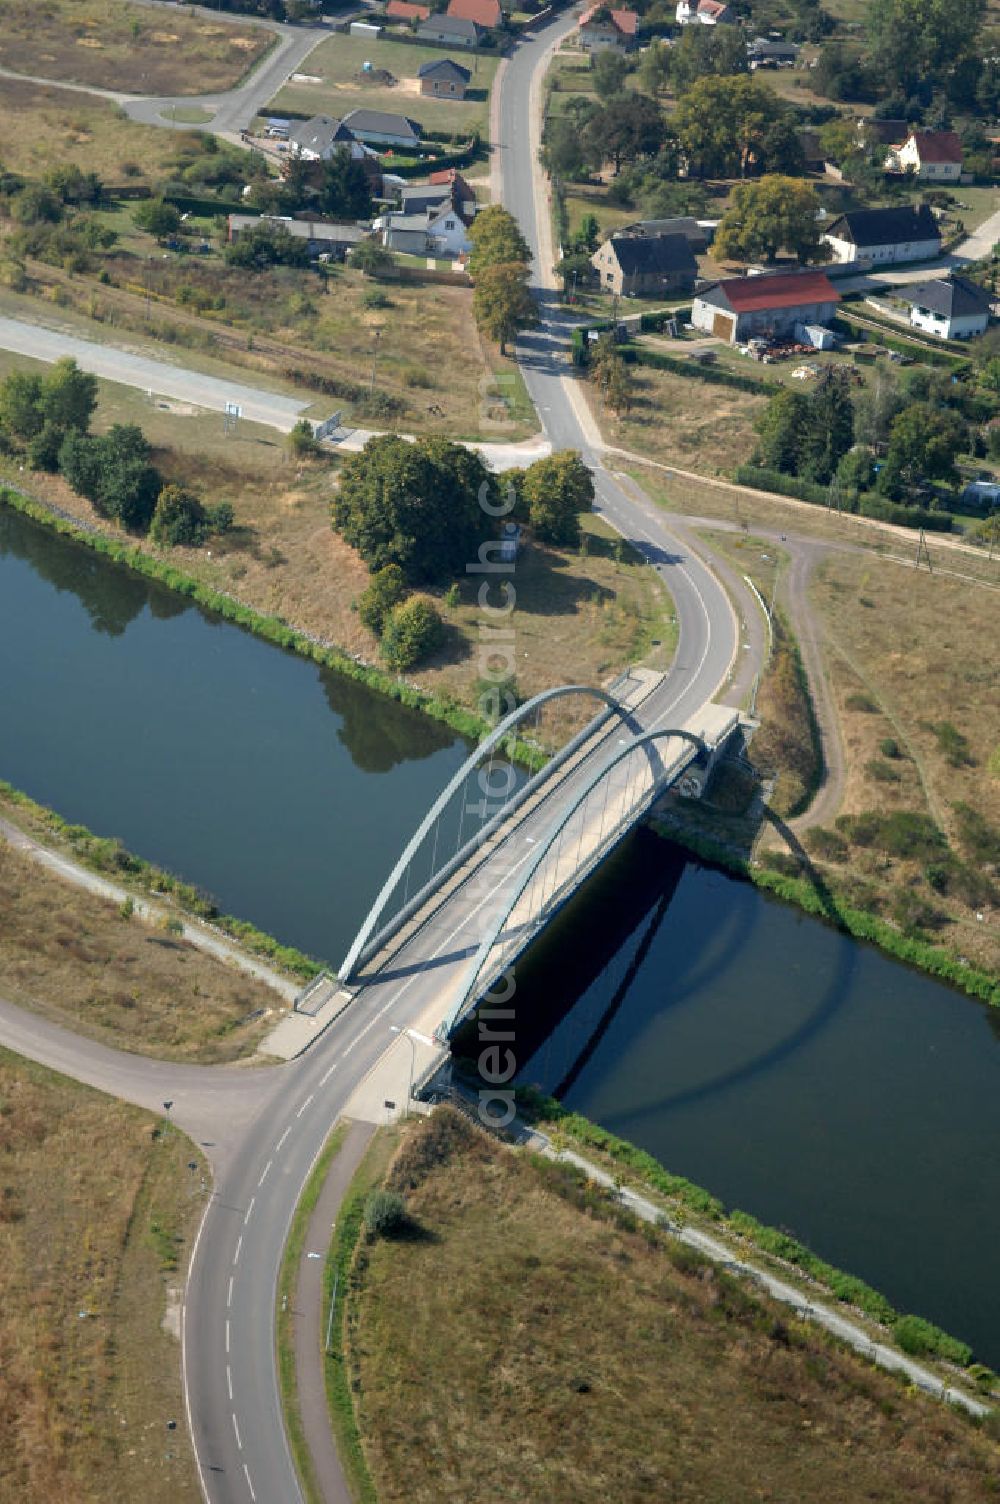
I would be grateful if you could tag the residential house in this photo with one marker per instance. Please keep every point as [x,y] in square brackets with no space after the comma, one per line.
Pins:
[320,137]
[450,31]
[443,79]
[419,197]
[600,29]
[435,230]
[379,128]
[872,132]
[323,236]
[462,193]
[931,156]
[949,307]
[885,236]
[697,234]
[739,308]
[704,12]
[764,53]
[485,14]
[644,266]
[405,10]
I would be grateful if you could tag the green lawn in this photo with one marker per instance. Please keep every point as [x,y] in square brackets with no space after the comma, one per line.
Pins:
[338,62]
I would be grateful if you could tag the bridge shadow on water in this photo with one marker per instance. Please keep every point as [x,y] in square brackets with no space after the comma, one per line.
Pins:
[580,977]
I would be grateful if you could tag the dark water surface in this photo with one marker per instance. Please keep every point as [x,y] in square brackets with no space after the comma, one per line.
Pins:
[791,1071]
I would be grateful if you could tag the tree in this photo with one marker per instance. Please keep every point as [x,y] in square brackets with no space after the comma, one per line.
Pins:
[808,435]
[782,428]
[767,216]
[557,490]
[612,375]
[502,303]
[371,258]
[734,126]
[575,270]
[73,186]
[496,241]
[344,190]
[918,45]
[706,51]
[384,590]
[21,414]
[840,73]
[68,396]
[565,153]
[179,518]
[923,445]
[158,218]
[415,505]
[629,127]
[113,470]
[266,244]
[610,70]
[588,235]
[413,631]
[654,68]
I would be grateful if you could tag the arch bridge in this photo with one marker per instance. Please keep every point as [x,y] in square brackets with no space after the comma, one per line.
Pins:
[498,854]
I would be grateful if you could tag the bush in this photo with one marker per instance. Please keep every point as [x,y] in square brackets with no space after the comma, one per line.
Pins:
[826,844]
[921,1338]
[979,838]
[903,833]
[863,703]
[952,744]
[179,518]
[384,591]
[302,440]
[889,748]
[385,1214]
[412,631]
[881,772]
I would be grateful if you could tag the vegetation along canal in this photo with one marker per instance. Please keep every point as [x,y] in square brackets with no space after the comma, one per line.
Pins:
[791,1071]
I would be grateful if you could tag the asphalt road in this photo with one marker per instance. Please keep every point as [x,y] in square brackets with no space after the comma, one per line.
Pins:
[264,1129]
[148,374]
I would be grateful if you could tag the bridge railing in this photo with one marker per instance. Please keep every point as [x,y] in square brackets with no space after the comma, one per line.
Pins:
[374,933]
[503,941]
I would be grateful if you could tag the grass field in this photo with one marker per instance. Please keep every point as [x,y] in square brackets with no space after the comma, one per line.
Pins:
[113,45]
[680,420]
[338,63]
[98,1210]
[75,958]
[523,1341]
[43,127]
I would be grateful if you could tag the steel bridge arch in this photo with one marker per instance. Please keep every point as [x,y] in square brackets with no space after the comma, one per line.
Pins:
[497,735]
[538,856]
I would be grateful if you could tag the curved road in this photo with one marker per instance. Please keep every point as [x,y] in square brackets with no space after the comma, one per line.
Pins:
[264,1129]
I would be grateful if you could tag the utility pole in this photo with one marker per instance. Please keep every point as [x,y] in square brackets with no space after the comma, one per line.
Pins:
[371,387]
[924,550]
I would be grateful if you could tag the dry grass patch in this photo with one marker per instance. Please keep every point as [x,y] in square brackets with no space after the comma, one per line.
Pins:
[74,957]
[524,1342]
[683,421]
[96,1215]
[43,127]
[113,45]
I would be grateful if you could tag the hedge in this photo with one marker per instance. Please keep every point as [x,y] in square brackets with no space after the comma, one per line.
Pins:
[699,370]
[869,504]
[763,479]
[846,324]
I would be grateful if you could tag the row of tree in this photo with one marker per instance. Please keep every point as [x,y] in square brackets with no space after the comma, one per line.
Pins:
[825,435]
[498,265]
[47,419]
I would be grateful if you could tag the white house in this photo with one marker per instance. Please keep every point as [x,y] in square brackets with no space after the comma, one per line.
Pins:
[885,236]
[704,12]
[950,307]
[738,308]
[319,138]
[437,230]
[931,156]
[600,29]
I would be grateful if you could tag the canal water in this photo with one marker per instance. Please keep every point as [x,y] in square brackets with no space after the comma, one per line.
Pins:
[792,1072]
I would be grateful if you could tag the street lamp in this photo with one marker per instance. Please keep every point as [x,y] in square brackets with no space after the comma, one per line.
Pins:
[413,1037]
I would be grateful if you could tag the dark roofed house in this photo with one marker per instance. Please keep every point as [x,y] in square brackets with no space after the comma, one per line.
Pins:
[762,52]
[642,266]
[450,31]
[318,138]
[950,307]
[380,128]
[697,235]
[883,132]
[907,233]
[443,79]
[738,308]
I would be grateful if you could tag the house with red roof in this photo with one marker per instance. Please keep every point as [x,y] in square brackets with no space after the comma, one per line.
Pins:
[741,308]
[484,13]
[932,156]
[600,28]
[704,13]
[405,10]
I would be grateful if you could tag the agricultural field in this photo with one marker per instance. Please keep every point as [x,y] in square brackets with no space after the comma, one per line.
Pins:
[77,959]
[338,64]
[111,44]
[99,1209]
[608,1362]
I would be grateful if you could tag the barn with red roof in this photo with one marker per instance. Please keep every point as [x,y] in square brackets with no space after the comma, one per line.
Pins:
[739,308]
